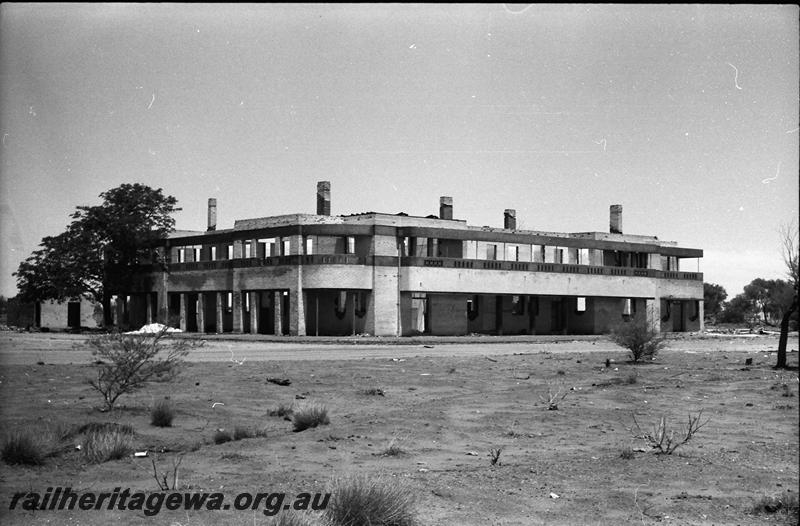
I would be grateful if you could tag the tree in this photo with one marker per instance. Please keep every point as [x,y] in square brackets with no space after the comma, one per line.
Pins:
[758,293]
[713,298]
[738,310]
[770,297]
[791,247]
[98,254]
[18,313]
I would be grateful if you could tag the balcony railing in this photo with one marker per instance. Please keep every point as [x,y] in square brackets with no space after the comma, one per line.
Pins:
[431,262]
[562,268]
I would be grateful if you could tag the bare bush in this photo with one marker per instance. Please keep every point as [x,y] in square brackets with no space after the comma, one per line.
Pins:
[638,336]
[554,396]
[127,362]
[162,482]
[665,440]
[494,456]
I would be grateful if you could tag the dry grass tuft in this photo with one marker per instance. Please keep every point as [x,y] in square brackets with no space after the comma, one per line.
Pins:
[357,500]
[24,447]
[107,444]
[221,436]
[162,414]
[310,416]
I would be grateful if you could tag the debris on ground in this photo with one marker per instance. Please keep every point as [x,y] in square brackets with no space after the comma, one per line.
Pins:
[154,328]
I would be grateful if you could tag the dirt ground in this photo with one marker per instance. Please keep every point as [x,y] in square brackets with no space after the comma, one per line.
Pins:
[446,404]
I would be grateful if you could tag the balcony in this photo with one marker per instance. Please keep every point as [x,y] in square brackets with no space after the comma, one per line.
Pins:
[431,262]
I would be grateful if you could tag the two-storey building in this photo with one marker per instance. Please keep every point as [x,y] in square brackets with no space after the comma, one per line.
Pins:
[389,275]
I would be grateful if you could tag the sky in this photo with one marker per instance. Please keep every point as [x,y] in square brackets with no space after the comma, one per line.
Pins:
[687,115]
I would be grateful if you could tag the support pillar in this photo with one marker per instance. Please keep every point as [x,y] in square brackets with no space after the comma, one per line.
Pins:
[119,311]
[238,249]
[278,311]
[149,308]
[297,307]
[183,324]
[383,316]
[238,312]
[701,308]
[201,312]
[220,322]
[254,309]
[653,309]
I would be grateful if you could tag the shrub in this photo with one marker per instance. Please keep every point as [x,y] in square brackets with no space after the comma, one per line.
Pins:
[24,447]
[126,362]
[626,453]
[393,451]
[107,444]
[222,436]
[357,500]
[639,337]
[310,416]
[162,414]
[373,391]
[785,504]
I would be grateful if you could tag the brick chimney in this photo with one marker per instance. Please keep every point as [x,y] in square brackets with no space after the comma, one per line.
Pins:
[324,198]
[510,219]
[445,207]
[212,214]
[615,223]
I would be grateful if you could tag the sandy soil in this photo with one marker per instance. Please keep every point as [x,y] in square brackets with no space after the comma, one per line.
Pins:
[445,405]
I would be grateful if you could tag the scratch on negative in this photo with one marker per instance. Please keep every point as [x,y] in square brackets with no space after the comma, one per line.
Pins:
[770,179]
[736,76]
[603,142]
[152,101]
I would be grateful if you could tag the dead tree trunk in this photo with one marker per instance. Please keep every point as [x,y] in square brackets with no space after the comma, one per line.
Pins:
[784,338]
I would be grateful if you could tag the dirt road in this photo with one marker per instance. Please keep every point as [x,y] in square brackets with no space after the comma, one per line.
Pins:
[60,348]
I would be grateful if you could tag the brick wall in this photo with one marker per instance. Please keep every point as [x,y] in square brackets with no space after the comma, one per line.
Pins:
[54,314]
